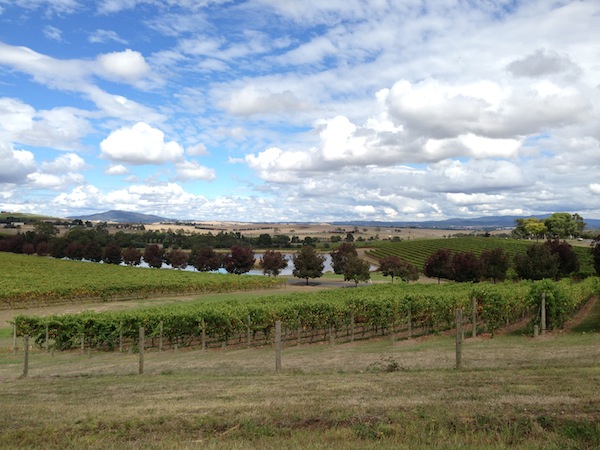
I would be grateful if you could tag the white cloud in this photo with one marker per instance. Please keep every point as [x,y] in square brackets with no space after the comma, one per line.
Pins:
[41,180]
[69,162]
[196,150]
[53,33]
[139,144]
[117,169]
[595,188]
[252,100]
[16,164]
[101,36]
[191,170]
[128,65]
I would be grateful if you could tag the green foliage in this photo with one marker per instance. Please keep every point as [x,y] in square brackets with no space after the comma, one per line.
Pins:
[378,306]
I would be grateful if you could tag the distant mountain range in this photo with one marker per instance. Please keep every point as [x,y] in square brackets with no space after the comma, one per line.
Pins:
[478,223]
[122,217]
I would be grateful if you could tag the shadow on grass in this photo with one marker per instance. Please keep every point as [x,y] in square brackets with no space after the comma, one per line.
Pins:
[591,322]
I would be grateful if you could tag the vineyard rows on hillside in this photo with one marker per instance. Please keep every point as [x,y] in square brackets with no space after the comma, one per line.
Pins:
[430,307]
[417,251]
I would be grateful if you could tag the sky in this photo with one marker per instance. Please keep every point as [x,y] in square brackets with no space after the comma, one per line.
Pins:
[300,111]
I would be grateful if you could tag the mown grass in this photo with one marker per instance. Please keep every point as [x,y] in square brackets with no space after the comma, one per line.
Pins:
[514,392]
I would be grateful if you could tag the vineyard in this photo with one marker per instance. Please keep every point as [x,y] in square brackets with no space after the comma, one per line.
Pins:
[417,251]
[334,314]
[32,280]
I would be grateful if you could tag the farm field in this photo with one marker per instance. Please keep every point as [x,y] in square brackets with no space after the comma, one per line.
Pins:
[417,251]
[32,280]
[513,392]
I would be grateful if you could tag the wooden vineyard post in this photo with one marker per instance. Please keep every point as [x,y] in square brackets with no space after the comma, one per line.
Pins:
[299,331]
[160,336]
[26,356]
[141,350]
[278,346]
[47,341]
[15,339]
[331,335]
[536,331]
[121,337]
[248,331]
[543,318]
[474,312]
[352,325]
[203,335]
[459,335]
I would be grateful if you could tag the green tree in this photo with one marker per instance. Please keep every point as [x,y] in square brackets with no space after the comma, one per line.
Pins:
[357,270]
[564,225]
[308,263]
[341,255]
[530,228]
[272,263]
[394,266]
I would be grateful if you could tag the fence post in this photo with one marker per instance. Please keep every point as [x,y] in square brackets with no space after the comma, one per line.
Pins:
[26,357]
[141,349]
[203,335]
[474,311]
[248,331]
[121,337]
[459,317]
[351,325]
[536,331]
[15,339]
[160,336]
[543,319]
[299,331]
[409,324]
[331,335]
[278,346]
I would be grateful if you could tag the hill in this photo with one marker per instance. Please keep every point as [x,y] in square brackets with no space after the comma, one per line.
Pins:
[122,217]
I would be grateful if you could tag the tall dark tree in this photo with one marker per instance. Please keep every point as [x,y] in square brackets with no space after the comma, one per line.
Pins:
[264,240]
[308,263]
[57,247]
[177,258]
[272,263]
[494,264]
[394,266]
[341,255]
[154,255]
[568,262]
[357,270]
[132,256]
[205,259]
[239,260]
[439,265]
[92,251]
[536,263]
[595,249]
[111,254]
[465,267]
[74,250]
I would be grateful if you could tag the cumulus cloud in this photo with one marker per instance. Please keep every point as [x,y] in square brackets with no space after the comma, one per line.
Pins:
[253,100]
[117,169]
[543,63]
[196,150]
[128,65]
[140,144]
[16,164]
[191,170]
[69,162]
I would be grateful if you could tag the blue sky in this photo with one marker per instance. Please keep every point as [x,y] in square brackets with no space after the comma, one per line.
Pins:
[276,110]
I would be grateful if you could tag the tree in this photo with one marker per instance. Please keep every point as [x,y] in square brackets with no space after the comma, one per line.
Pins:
[177,258]
[341,255]
[308,264]
[92,251]
[536,263]
[439,265]
[465,267]
[132,256]
[568,262]
[112,254]
[45,229]
[357,270]
[205,259]
[530,227]
[239,260]
[154,255]
[74,250]
[494,264]
[395,266]
[595,249]
[272,263]
[563,225]
[264,240]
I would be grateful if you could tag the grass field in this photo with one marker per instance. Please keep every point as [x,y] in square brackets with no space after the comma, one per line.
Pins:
[513,392]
